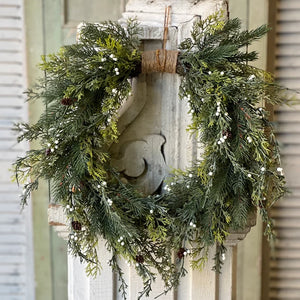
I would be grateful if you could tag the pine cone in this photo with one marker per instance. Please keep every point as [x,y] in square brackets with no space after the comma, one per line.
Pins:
[48,152]
[180,253]
[139,259]
[76,225]
[227,133]
[67,101]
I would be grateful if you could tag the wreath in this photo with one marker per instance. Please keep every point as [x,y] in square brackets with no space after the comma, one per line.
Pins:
[239,172]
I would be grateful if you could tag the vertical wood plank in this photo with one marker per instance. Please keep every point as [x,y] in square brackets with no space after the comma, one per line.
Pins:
[41,232]
[253,13]
[203,283]
[103,284]
[79,289]
[225,283]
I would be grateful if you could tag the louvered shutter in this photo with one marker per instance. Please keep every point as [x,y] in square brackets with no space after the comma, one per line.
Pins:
[284,277]
[16,275]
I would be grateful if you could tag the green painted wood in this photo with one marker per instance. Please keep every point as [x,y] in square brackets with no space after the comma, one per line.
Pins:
[58,247]
[42,254]
[253,13]
[77,11]
[43,35]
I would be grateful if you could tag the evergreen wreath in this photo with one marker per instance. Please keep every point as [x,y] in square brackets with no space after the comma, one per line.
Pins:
[238,174]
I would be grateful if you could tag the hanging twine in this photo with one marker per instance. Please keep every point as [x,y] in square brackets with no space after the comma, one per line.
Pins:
[161,60]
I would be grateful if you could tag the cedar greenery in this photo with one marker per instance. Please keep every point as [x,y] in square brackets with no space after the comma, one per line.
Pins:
[238,174]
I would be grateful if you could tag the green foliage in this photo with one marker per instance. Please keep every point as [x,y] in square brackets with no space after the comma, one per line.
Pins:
[239,171]
[240,168]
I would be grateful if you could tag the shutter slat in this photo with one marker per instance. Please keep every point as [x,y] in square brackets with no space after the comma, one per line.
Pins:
[290,15]
[11,23]
[12,268]
[11,80]
[285,212]
[11,101]
[12,279]
[288,27]
[289,5]
[10,11]
[11,35]
[285,294]
[17,3]
[9,56]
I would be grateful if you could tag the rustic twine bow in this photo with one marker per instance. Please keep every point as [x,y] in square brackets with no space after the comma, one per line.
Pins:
[161,60]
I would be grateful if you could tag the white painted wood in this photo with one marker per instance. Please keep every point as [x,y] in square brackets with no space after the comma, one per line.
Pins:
[11,35]
[104,284]
[79,290]
[17,3]
[203,283]
[11,22]
[225,278]
[10,11]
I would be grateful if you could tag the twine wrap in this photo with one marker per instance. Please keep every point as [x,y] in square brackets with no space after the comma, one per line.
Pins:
[160,60]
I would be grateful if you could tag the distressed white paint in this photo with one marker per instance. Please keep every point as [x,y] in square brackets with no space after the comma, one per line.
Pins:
[16,251]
